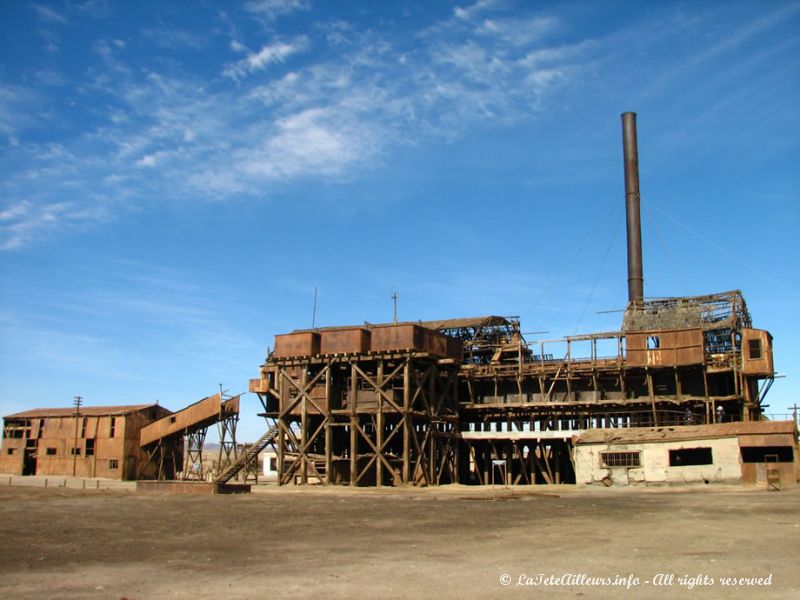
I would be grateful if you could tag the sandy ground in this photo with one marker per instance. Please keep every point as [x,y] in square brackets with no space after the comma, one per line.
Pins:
[453,542]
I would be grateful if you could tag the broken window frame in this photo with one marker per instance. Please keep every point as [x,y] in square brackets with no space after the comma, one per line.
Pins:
[627,459]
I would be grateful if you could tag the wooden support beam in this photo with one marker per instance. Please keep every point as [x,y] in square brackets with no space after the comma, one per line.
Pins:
[303,426]
[353,424]
[379,424]
[650,392]
[328,431]
[406,477]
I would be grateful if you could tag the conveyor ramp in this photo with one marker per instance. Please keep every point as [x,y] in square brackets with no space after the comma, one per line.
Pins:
[199,415]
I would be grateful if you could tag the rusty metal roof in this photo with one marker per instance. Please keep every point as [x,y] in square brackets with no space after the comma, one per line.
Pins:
[684,432]
[476,322]
[491,320]
[86,411]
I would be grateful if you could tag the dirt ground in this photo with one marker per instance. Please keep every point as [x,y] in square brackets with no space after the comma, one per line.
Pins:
[453,542]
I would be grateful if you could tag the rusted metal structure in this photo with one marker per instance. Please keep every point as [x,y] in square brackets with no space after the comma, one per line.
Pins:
[121,442]
[379,410]
[630,150]
[470,400]
[95,442]
[165,439]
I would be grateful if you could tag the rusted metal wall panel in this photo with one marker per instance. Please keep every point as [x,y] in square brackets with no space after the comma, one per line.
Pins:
[416,338]
[12,463]
[757,473]
[206,408]
[304,343]
[762,364]
[345,341]
[675,347]
[779,439]
[259,385]
[455,348]
[59,436]
[396,337]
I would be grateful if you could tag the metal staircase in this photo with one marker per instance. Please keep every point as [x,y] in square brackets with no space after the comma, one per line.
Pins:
[249,455]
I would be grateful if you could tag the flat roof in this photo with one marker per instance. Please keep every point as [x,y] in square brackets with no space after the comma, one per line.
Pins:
[491,320]
[685,432]
[86,411]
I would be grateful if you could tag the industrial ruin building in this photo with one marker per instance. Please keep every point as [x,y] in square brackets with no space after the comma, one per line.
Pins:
[449,401]
[470,400]
[89,442]
[466,400]
[120,442]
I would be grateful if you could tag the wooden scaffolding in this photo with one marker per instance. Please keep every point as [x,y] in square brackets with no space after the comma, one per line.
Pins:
[385,418]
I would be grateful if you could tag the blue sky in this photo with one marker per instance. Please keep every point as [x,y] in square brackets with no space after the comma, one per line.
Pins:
[177,178]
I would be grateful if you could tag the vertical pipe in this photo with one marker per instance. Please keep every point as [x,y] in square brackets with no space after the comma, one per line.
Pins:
[633,218]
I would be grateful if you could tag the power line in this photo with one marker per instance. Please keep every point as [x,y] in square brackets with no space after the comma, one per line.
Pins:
[600,270]
[722,250]
[565,269]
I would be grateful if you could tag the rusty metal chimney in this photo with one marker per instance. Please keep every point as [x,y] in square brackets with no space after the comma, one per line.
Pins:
[634,221]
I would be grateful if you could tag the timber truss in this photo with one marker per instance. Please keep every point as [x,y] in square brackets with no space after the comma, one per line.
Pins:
[366,419]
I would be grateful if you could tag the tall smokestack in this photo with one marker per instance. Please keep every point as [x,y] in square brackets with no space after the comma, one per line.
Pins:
[634,221]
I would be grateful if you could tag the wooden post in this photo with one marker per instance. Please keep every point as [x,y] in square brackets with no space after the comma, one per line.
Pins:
[328,428]
[406,420]
[283,398]
[303,428]
[379,427]
[353,425]
[651,393]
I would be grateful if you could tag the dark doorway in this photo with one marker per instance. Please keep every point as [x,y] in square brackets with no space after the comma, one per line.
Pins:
[29,462]
[758,454]
[130,468]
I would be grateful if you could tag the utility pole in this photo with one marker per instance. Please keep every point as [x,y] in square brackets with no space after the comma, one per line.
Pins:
[77,402]
[314,313]
[395,296]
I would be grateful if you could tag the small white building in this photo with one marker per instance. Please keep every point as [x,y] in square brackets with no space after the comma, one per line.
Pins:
[269,460]
[749,452]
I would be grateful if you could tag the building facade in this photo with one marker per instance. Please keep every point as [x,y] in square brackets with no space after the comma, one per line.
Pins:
[758,452]
[95,442]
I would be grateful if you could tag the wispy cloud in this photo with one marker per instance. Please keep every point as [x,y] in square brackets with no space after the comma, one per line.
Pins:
[24,222]
[469,12]
[17,108]
[328,103]
[170,309]
[45,13]
[314,140]
[518,32]
[166,37]
[272,9]
[269,54]
[95,9]
[667,78]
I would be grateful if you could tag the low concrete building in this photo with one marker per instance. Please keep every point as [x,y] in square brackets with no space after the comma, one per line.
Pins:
[758,452]
[98,442]
[269,464]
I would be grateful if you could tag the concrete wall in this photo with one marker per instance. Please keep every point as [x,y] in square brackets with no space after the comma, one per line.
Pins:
[267,457]
[654,460]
